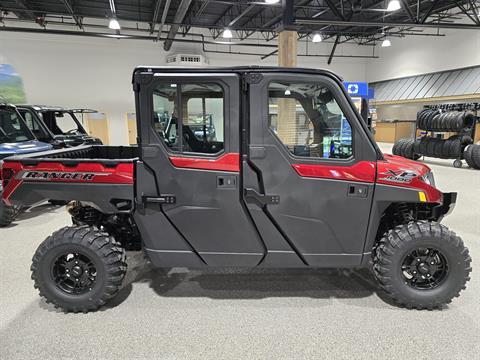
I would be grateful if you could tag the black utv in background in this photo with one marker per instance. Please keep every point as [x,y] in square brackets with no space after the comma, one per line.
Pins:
[57,126]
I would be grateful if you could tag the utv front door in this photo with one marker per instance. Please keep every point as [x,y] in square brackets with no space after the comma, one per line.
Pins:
[310,170]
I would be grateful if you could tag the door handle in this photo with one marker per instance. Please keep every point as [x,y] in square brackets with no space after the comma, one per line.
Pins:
[359,191]
[261,198]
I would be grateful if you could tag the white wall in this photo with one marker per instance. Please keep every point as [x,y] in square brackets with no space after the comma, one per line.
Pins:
[420,54]
[96,72]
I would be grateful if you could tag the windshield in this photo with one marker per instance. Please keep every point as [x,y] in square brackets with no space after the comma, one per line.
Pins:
[12,127]
[61,123]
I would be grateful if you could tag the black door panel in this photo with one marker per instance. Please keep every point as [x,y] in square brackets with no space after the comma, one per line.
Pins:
[208,212]
[317,217]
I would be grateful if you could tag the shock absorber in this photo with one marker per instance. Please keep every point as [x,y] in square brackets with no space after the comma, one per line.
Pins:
[404,212]
[83,215]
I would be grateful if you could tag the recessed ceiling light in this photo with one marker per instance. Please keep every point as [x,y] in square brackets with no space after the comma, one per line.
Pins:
[227,34]
[114,24]
[317,38]
[394,5]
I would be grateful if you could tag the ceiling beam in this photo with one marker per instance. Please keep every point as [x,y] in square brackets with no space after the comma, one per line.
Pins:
[334,9]
[156,12]
[24,12]
[242,14]
[77,19]
[179,16]
[429,11]
[387,24]
[166,7]
[406,7]
[330,58]
[465,11]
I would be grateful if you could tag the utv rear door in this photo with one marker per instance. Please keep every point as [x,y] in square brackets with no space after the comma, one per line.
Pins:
[194,213]
[309,172]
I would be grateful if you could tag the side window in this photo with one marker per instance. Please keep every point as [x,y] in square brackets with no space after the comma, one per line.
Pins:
[190,117]
[308,121]
[33,125]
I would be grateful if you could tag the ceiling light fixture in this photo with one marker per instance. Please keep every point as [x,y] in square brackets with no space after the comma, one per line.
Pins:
[270,2]
[288,92]
[114,24]
[394,5]
[386,43]
[317,38]
[227,34]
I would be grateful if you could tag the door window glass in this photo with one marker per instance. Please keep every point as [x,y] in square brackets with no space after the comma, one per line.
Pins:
[308,121]
[190,117]
[33,125]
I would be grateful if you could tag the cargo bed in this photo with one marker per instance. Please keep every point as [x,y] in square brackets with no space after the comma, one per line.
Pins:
[98,174]
[88,153]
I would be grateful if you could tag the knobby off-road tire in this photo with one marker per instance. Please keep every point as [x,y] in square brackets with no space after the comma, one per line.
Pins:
[468,156]
[7,213]
[444,275]
[78,268]
[476,155]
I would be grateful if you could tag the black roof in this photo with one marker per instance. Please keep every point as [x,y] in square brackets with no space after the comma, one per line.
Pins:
[237,69]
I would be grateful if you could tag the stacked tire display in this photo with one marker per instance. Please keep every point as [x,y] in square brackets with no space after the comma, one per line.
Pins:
[455,147]
[406,148]
[433,120]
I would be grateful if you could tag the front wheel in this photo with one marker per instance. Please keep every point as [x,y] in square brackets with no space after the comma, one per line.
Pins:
[421,265]
[78,268]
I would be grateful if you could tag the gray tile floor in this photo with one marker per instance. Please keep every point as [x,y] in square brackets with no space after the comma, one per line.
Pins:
[219,314]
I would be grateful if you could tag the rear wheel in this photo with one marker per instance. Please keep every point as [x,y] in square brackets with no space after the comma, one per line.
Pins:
[7,214]
[422,265]
[78,268]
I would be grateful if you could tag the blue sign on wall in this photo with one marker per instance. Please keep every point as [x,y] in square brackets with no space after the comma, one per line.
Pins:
[357,89]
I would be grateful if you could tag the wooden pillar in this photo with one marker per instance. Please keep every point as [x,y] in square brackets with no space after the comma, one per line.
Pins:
[286,118]
[287,48]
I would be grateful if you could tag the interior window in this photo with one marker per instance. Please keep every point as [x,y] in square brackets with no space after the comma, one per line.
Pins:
[190,117]
[308,121]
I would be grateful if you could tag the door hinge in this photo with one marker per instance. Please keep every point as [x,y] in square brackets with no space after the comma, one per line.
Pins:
[261,198]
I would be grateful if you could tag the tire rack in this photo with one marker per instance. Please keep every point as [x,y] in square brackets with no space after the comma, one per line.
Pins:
[472,107]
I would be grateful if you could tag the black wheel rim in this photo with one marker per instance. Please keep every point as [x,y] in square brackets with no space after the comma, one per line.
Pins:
[424,268]
[74,273]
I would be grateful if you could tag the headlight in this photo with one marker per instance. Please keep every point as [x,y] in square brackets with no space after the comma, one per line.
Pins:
[429,179]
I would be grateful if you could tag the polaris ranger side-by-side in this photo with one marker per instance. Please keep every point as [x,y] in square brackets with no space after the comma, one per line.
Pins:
[292,178]
[15,138]
[57,126]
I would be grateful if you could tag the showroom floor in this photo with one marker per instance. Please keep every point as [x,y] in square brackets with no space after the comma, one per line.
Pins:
[219,314]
